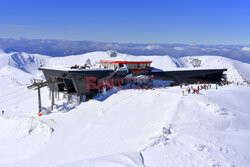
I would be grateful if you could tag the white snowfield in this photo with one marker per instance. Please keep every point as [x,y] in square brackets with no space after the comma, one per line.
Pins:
[130,128]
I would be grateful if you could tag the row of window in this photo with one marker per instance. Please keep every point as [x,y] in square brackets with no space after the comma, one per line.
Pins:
[112,65]
[138,65]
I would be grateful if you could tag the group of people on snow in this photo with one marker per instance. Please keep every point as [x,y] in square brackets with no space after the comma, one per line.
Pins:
[195,89]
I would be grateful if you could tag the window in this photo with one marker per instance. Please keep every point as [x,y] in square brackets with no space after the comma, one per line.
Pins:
[121,65]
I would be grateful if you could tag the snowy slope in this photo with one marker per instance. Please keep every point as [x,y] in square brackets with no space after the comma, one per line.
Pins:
[124,127]
[16,143]
[237,71]
[26,62]
[160,125]
[206,130]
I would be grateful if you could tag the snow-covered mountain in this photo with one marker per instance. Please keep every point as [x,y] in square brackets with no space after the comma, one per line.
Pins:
[237,71]
[153,128]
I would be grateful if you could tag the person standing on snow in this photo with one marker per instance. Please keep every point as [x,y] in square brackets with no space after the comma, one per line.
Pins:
[2,112]
[197,91]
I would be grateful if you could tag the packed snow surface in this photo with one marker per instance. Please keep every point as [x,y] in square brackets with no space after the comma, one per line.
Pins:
[124,127]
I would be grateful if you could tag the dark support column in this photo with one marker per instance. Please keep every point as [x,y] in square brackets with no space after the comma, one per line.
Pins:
[37,85]
[52,96]
[58,95]
[39,100]
[80,98]
[69,97]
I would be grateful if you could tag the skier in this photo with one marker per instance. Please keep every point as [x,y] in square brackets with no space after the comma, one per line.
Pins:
[189,90]
[182,93]
[164,86]
[216,86]
[2,112]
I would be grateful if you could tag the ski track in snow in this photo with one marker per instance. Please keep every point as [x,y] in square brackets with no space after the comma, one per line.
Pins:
[151,128]
[213,150]
[188,130]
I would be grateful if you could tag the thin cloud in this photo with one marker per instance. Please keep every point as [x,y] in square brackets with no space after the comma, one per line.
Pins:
[246,49]
[153,47]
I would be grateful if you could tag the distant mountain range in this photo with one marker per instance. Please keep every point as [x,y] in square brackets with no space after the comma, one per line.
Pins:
[58,48]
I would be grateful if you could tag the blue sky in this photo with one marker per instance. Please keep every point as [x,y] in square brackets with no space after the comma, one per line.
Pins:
[137,21]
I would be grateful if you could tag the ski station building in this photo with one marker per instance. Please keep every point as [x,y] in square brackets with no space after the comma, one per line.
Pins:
[87,80]
[135,67]
[75,79]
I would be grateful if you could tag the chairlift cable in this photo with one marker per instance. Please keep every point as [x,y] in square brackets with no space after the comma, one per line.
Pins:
[14,92]
[9,99]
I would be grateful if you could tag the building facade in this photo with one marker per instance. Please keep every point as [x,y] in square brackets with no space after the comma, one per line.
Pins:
[134,67]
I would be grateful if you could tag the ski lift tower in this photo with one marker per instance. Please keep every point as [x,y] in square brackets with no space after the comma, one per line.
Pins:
[37,85]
